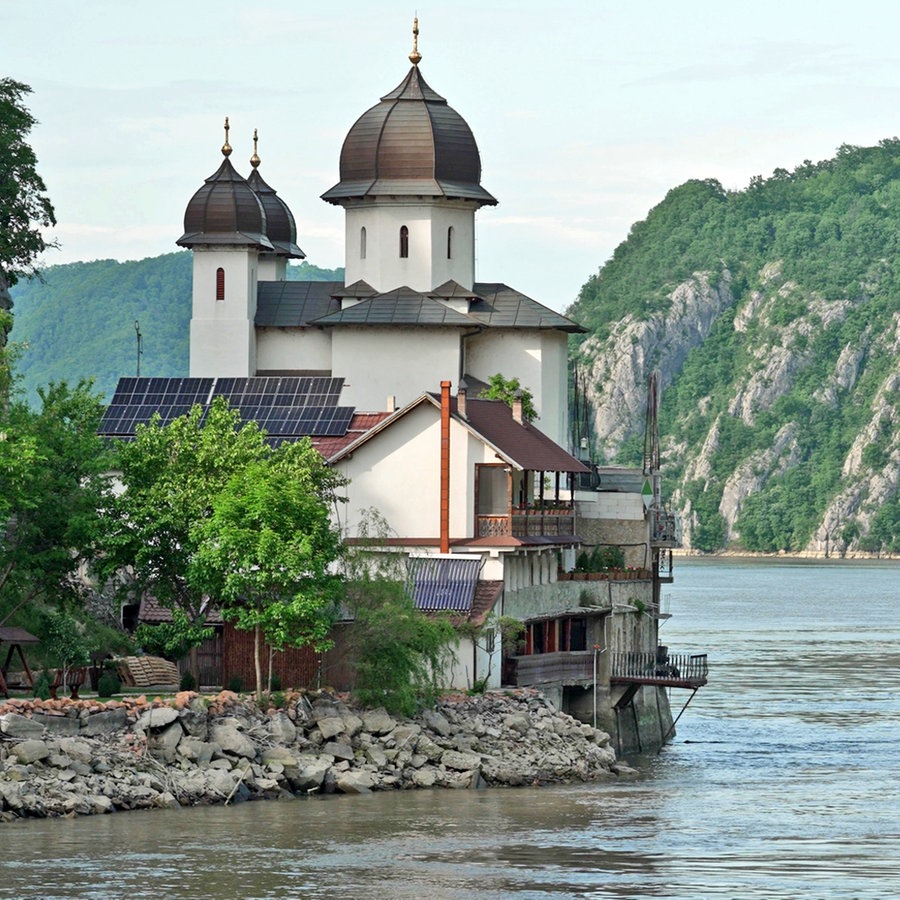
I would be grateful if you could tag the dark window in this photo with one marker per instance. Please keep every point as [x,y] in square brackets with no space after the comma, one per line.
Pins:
[220,284]
[450,242]
[578,634]
[404,242]
[362,243]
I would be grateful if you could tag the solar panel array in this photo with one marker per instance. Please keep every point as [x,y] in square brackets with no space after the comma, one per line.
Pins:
[285,407]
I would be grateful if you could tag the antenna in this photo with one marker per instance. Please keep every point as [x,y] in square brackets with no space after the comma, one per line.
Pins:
[140,345]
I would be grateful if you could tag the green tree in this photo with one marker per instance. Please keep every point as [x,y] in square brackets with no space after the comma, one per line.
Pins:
[266,552]
[24,205]
[172,475]
[509,390]
[53,484]
[64,644]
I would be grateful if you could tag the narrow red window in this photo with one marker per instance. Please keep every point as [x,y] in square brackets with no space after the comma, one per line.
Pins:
[220,284]
[404,242]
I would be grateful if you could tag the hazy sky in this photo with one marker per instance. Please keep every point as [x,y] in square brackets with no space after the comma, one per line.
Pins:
[585,113]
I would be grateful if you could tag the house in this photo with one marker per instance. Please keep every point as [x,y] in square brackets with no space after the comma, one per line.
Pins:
[383,373]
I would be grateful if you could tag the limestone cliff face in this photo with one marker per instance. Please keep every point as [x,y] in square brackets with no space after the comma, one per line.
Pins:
[619,365]
[751,432]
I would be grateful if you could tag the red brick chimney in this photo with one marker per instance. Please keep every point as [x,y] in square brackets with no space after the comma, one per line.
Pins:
[517,407]
[445,467]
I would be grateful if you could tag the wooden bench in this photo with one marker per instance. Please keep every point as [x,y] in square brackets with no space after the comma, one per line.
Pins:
[75,678]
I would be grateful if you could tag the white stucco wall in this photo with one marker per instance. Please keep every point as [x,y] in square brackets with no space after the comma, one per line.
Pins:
[403,363]
[223,341]
[427,265]
[292,349]
[538,359]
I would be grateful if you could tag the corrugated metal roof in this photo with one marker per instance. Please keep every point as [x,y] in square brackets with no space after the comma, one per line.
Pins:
[500,306]
[403,306]
[443,583]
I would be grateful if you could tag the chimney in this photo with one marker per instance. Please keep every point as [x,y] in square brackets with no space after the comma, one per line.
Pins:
[391,405]
[445,467]
[461,393]
[517,407]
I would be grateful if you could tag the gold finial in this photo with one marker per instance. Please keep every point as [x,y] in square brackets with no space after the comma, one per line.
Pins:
[254,160]
[415,57]
[226,147]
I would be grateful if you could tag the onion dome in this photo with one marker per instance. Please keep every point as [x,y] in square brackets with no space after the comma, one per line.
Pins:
[281,229]
[225,211]
[412,143]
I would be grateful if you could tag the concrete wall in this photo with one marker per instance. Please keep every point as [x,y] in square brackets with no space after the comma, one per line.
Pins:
[293,349]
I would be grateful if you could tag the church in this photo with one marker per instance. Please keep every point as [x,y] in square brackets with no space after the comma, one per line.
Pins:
[383,373]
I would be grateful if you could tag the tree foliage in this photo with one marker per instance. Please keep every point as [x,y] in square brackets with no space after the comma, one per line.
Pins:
[52,488]
[24,205]
[509,390]
[267,550]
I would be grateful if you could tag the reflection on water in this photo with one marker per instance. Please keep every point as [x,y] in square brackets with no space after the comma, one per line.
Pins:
[782,782]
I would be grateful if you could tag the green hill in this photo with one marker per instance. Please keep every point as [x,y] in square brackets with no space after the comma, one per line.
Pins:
[772,314]
[80,321]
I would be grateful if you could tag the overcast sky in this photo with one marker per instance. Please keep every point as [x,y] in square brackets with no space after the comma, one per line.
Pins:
[586,113]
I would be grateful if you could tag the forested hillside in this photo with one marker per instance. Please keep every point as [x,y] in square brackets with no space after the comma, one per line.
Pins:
[80,321]
[773,316]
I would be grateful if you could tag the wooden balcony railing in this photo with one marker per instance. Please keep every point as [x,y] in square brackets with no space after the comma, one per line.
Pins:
[677,669]
[528,523]
[568,667]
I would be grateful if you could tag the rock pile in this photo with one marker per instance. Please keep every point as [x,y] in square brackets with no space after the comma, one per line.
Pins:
[82,757]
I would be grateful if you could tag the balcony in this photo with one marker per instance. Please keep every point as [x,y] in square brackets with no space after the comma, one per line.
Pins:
[567,667]
[660,668]
[524,522]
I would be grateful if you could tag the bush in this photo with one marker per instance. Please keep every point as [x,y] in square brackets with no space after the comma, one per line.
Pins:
[236,684]
[42,687]
[275,684]
[108,685]
[187,683]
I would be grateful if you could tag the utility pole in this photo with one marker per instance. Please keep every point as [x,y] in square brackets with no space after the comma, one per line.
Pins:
[140,345]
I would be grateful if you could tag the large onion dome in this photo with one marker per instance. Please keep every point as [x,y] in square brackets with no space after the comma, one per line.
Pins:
[412,143]
[281,229]
[225,210]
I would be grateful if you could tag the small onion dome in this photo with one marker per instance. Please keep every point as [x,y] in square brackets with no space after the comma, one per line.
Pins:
[281,229]
[412,143]
[225,211]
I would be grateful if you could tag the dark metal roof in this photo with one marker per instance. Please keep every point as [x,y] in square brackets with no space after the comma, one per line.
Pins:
[281,229]
[403,306]
[283,304]
[225,210]
[501,306]
[411,143]
[442,583]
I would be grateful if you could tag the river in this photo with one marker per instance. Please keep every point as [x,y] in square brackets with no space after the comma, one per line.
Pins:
[783,782]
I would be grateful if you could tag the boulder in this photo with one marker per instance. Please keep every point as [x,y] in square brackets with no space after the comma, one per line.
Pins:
[195,750]
[463,762]
[15,726]
[355,782]
[30,751]
[163,744]
[104,722]
[282,728]
[231,740]
[339,750]
[378,721]
[330,726]
[436,722]
[157,717]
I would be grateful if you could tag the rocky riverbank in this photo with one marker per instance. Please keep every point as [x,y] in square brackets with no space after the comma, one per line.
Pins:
[83,757]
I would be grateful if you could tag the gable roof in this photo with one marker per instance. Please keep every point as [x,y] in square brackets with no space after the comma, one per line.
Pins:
[519,444]
[287,304]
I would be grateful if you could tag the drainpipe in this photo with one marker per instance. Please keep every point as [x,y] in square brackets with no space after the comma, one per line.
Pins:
[445,467]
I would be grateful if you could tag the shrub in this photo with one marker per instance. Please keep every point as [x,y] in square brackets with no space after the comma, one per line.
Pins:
[236,684]
[275,682]
[187,683]
[108,685]
[42,687]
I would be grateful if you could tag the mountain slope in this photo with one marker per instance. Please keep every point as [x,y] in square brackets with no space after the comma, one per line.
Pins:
[773,317]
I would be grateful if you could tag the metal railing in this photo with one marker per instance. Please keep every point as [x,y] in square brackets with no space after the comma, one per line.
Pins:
[647,668]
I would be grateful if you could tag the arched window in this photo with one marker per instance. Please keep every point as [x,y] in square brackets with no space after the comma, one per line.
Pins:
[362,243]
[450,242]
[220,284]
[404,242]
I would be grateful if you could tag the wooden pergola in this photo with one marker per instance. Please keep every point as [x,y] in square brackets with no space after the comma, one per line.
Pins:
[15,638]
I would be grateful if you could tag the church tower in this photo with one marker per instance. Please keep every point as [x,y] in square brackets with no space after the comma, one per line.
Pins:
[240,233]
[410,186]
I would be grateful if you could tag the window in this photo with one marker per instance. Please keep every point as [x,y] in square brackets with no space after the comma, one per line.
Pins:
[450,242]
[220,284]
[404,242]
[362,243]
